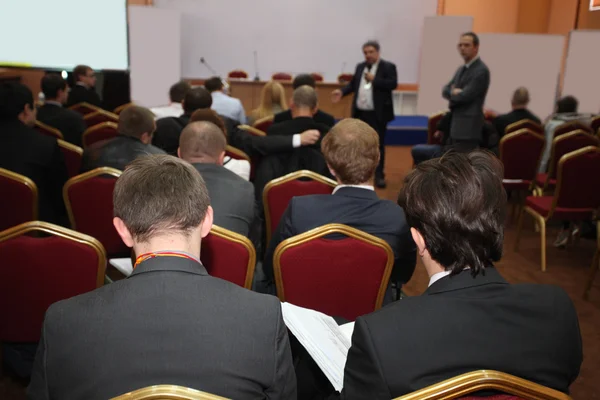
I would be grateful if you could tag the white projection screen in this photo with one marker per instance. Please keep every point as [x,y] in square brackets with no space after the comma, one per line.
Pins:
[581,71]
[60,34]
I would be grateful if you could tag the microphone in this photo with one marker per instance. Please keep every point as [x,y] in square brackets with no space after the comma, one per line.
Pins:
[256,77]
[208,67]
[343,67]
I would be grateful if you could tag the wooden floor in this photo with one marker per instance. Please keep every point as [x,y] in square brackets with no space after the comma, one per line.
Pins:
[566,268]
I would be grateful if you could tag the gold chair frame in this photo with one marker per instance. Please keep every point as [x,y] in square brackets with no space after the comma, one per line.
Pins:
[118,110]
[263,120]
[251,130]
[516,126]
[244,241]
[238,152]
[168,392]
[96,127]
[55,132]
[594,267]
[85,104]
[27,182]
[70,147]
[577,125]
[114,117]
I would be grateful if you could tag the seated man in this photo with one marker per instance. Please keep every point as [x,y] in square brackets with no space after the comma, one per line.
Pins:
[136,125]
[70,123]
[27,152]
[202,144]
[519,103]
[320,116]
[176,95]
[169,322]
[222,103]
[84,88]
[470,317]
[351,150]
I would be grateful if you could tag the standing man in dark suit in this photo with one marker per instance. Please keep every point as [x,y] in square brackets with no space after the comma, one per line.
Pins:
[519,102]
[470,317]
[372,85]
[70,123]
[466,95]
[169,322]
[84,89]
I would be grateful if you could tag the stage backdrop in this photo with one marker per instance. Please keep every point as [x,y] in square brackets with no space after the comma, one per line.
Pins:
[581,71]
[298,36]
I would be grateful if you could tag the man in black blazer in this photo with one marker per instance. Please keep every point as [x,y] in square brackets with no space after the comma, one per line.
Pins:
[466,95]
[70,123]
[169,322]
[319,116]
[84,88]
[470,317]
[27,152]
[519,112]
[372,85]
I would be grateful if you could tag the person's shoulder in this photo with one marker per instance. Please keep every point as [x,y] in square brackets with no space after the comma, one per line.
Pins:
[152,149]
[71,114]
[387,63]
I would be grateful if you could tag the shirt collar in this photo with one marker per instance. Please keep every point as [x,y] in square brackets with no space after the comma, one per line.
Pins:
[436,277]
[467,65]
[54,103]
[367,187]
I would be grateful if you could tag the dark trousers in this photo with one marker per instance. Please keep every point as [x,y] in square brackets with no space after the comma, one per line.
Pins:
[461,146]
[370,117]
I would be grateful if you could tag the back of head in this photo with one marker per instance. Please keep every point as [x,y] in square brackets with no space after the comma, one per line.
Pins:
[213,84]
[202,142]
[170,197]
[567,104]
[79,71]
[305,97]
[520,97]
[272,93]
[177,91]
[304,79]
[13,99]
[206,114]
[457,203]
[135,121]
[196,99]
[351,149]
[51,84]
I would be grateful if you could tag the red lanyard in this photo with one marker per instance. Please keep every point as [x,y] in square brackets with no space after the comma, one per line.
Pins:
[147,256]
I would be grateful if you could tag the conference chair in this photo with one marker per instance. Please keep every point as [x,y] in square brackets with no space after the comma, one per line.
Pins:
[18,201]
[570,127]
[317,77]
[576,198]
[73,156]
[251,130]
[278,193]
[122,107]
[461,386]
[237,74]
[229,256]
[334,269]
[88,199]
[524,124]
[168,392]
[84,108]
[520,153]
[97,133]
[432,124]
[264,124]
[100,116]
[595,124]
[47,130]
[282,76]
[345,78]
[595,264]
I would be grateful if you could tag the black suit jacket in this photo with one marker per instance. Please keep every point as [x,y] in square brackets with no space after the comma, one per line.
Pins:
[27,152]
[320,116]
[70,123]
[504,120]
[115,153]
[168,130]
[461,324]
[386,80]
[168,323]
[79,94]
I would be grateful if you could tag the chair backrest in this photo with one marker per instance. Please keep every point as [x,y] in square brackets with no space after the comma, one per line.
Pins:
[251,130]
[432,123]
[97,117]
[229,256]
[97,133]
[236,153]
[36,271]
[570,127]
[317,77]
[344,275]
[567,143]
[520,152]
[18,199]
[461,385]
[345,78]
[168,392]
[84,108]
[237,74]
[48,130]
[122,107]
[281,76]
[264,124]
[595,124]
[524,124]
[88,198]
[73,156]
[278,193]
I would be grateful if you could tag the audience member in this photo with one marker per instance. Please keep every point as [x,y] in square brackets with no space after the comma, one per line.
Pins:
[27,152]
[169,322]
[519,103]
[351,150]
[320,116]
[177,93]
[202,144]
[470,317]
[224,104]
[136,126]
[272,101]
[84,88]
[70,123]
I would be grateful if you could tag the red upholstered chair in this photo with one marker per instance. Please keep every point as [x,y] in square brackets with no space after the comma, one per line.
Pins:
[576,198]
[461,386]
[88,198]
[18,199]
[264,124]
[432,124]
[344,78]
[570,127]
[520,152]
[97,133]
[317,77]
[524,124]
[229,256]
[595,264]
[84,108]
[119,109]
[36,271]
[278,193]
[595,124]
[73,156]
[237,74]
[281,76]
[100,116]
[334,269]
[48,130]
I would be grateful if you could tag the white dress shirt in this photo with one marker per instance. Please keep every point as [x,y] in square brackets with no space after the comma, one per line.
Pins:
[228,106]
[364,101]
[172,110]
[436,277]
[239,167]
[467,65]
[366,187]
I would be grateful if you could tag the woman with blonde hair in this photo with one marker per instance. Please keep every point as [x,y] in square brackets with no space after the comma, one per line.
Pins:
[272,101]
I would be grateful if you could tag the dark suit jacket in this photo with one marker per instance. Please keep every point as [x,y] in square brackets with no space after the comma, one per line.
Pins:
[386,80]
[168,130]
[489,138]
[70,123]
[27,152]
[79,94]
[320,116]
[461,324]
[298,125]
[355,207]
[115,153]
[504,120]
[467,106]
[168,323]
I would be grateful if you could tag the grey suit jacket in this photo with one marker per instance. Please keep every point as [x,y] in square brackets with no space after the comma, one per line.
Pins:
[467,106]
[168,323]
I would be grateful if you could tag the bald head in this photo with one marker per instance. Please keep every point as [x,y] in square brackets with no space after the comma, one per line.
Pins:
[304,101]
[202,142]
[520,98]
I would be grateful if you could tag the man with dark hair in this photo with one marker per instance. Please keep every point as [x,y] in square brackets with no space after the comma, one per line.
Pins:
[84,88]
[469,318]
[136,126]
[170,321]
[27,152]
[70,123]
[177,93]
[320,116]
[519,103]
[372,85]
[222,103]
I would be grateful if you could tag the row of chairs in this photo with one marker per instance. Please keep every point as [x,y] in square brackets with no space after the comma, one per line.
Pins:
[284,76]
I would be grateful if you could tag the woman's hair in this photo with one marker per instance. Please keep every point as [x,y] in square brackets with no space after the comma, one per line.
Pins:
[206,114]
[272,94]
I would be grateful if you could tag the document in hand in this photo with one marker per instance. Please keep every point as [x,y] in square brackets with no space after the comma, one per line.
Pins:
[325,341]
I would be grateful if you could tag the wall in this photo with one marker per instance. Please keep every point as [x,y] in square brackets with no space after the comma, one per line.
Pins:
[533,16]
[587,19]
[562,16]
[490,16]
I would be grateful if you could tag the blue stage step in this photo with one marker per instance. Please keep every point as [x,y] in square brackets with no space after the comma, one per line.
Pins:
[407,130]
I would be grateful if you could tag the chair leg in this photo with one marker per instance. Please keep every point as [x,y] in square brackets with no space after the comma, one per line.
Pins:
[519,229]
[542,224]
[593,271]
